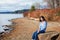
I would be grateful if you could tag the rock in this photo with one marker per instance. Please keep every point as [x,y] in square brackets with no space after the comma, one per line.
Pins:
[48,36]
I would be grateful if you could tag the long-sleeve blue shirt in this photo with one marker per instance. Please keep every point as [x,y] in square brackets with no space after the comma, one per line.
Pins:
[43,25]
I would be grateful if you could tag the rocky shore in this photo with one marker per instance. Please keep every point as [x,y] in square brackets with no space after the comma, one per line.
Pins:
[24,28]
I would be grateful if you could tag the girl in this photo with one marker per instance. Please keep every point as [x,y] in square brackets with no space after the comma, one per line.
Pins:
[41,29]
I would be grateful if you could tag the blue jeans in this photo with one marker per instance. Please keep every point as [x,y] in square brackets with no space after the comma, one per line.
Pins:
[35,35]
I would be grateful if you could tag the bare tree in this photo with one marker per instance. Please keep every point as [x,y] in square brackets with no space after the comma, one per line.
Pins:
[51,3]
[57,2]
[54,3]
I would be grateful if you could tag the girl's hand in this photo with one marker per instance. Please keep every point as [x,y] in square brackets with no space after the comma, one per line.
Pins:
[38,30]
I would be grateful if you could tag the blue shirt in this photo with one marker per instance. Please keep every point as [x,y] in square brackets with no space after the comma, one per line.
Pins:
[43,25]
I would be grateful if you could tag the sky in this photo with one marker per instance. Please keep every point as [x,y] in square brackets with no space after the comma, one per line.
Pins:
[12,5]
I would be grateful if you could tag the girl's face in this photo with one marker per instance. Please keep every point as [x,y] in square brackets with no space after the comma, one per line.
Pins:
[41,19]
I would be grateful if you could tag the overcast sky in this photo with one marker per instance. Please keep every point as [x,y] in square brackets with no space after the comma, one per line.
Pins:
[11,5]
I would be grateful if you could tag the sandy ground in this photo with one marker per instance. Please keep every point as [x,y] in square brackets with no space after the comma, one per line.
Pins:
[24,28]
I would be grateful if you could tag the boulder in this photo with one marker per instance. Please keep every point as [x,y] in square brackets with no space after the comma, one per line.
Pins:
[48,36]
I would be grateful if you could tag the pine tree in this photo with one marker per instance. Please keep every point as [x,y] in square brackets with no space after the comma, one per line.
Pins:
[32,8]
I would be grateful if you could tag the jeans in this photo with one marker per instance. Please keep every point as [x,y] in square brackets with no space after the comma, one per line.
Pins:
[35,35]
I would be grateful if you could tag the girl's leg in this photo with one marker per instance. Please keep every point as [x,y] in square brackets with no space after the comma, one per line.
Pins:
[33,36]
[36,36]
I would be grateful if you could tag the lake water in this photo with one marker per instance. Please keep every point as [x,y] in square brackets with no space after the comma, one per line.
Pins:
[4,20]
[5,17]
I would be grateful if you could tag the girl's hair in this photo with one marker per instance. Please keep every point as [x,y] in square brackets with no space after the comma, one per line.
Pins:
[42,18]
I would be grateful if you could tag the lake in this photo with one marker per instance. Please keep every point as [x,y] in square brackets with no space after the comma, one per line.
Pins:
[4,20]
[5,17]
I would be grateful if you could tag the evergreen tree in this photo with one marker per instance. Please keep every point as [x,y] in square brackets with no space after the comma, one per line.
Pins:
[32,8]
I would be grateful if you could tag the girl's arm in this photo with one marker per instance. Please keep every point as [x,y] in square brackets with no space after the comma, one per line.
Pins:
[38,30]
